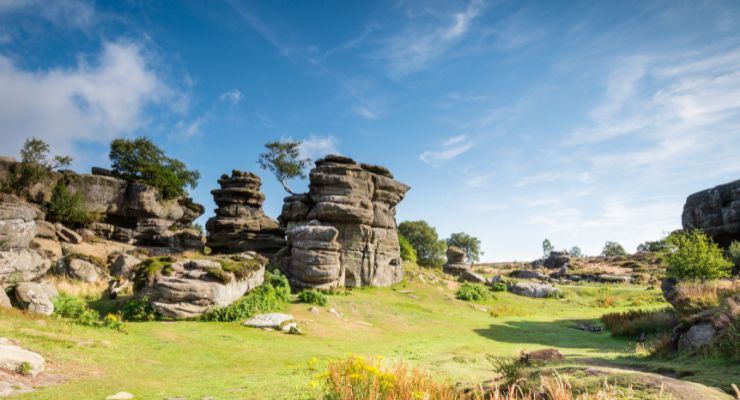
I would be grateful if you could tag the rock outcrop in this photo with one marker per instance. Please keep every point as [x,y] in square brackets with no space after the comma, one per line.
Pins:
[18,262]
[240,224]
[716,211]
[36,297]
[131,212]
[315,260]
[189,288]
[556,260]
[455,261]
[359,201]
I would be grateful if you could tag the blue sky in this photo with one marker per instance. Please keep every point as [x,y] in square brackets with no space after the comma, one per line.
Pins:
[513,121]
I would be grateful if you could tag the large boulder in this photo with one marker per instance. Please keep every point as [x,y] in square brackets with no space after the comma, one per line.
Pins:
[240,224]
[80,268]
[716,211]
[123,265]
[36,297]
[359,201]
[556,260]
[697,336]
[315,258]
[22,265]
[456,264]
[17,226]
[189,288]
[531,289]
[16,359]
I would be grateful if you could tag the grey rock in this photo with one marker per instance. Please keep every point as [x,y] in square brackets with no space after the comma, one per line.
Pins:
[470,276]
[22,265]
[17,226]
[668,287]
[315,257]
[271,320]
[77,268]
[46,230]
[716,211]
[314,310]
[527,274]
[13,358]
[4,299]
[531,289]
[123,265]
[556,260]
[36,297]
[697,336]
[614,278]
[67,235]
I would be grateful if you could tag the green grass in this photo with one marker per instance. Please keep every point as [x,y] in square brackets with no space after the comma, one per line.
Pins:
[421,323]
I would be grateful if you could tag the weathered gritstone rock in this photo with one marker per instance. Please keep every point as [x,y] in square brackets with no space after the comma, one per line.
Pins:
[531,289]
[17,226]
[36,297]
[79,268]
[315,257]
[4,299]
[189,288]
[556,260]
[716,211]
[455,261]
[22,265]
[359,201]
[16,359]
[123,265]
[240,224]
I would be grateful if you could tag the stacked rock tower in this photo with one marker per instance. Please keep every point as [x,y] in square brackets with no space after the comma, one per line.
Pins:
[240,224]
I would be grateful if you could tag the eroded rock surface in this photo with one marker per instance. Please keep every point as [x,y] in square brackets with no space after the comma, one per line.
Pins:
[315,260]
[16,359]
[716,211]
[531,289]
[36,297]
[359,201]
[456,264]
[240,224]
[189,288]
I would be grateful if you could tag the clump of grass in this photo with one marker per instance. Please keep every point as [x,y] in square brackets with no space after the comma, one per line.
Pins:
[138,310]
[24,368]
[472,292]
[272,295]
[604,302]
[77,311]
[150,267]
[241,267]
[312,297]
[499,310]
[694,297]
[511,369]
[635,322]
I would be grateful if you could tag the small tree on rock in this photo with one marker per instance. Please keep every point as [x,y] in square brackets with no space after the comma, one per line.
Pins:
[469,244]
[547,248]
[283,159]
[694,256]
[576,252]
[35,165]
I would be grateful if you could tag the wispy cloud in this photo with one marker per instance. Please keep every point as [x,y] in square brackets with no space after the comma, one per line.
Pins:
[316,146]
[72,13]
[232,96]
[447,150]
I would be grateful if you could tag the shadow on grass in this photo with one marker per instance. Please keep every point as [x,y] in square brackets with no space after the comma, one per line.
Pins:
[556,333]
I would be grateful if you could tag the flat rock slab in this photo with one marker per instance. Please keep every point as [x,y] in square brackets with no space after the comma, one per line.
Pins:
[13,358]
[272,320]
[120,396]
[536,290]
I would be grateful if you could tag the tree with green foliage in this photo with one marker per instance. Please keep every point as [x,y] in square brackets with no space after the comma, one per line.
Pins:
[693,255]
[575,251]
[142,160]
[283,159]
[67,207]
[429,249]
[613,249]
[467,243]
[655,246]
[35,165]
[734,253]
[547,248]
[408,253]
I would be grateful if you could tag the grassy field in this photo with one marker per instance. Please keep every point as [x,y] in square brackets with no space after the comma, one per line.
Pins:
[419,322]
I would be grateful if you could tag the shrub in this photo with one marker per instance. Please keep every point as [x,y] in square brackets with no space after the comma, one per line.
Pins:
[138,310]
[67,207]
[734,253]
[635,322]
[429,249]
[613,249]
[273,294]
[472,292]
[498,287]
[510,369]
[312,297]
[693,255]
[408,253]
[142,160]
[35,165]
[76,310]
[725,344]
[656,246]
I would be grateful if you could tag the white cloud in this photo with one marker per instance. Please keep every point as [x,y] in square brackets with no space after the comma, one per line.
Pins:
[449,149]
[74,13]
[316,147]
[92,101]
[232,96]
[365,112]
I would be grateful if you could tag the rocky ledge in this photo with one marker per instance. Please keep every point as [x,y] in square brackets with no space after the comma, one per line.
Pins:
[716,211]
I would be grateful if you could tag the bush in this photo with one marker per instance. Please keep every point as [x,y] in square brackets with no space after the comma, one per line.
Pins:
[273,294]
[510,369]
[429,249]
[635,322]
[67,207]
[656,246]
[694,256]
[472,292]
[312,297]
[734,253]
[76,310]
[613,249]
[142,160]
[498,287]
[138,310]
[34,166]
[408,253]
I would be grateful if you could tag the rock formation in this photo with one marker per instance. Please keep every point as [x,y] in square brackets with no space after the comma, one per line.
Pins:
[131,212]
[240,224]
[455,261]
[716,211]
[18,262]
[189,288]
[556,260]
[359,201]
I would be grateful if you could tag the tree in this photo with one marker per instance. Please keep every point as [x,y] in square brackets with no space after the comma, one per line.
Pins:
[547,248]
[469,244]
[429,249]
[67,207]
[613,249]
[282,159]
[694,256]
[408,253]
[655,246]
[142,160]
[35,165]
[576,252]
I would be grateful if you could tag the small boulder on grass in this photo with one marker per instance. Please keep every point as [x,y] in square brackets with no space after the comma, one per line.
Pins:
[544,355]
[19,360]
[271,321]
